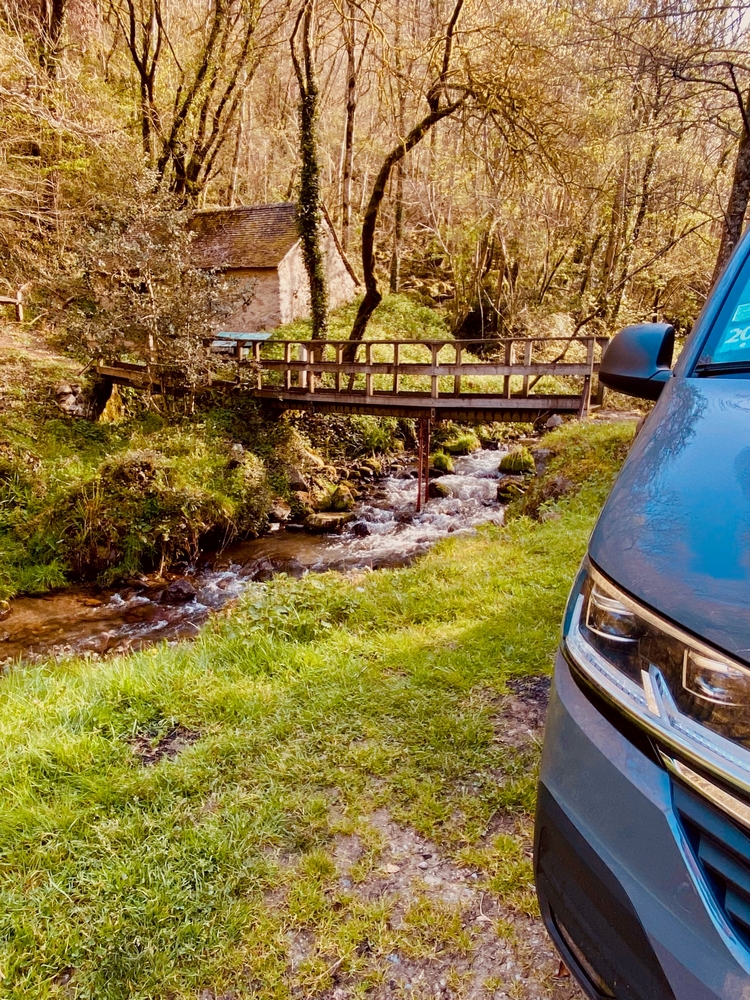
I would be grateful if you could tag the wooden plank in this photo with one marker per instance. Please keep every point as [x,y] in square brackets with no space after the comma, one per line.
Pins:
[467,343]
[434,384]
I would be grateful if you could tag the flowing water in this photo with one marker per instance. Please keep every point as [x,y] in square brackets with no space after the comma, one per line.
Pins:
[387,531]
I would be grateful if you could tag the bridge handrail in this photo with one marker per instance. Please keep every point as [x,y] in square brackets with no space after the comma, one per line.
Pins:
[311,374]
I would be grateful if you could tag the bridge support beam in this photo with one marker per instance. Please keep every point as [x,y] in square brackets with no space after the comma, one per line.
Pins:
[423,468]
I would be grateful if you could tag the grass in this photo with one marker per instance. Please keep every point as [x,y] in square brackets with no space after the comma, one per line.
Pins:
[318,702]
[106,501]
[398,317]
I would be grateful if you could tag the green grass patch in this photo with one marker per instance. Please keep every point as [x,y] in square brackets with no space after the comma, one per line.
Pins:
[317,702]
[104,501]
[398,317]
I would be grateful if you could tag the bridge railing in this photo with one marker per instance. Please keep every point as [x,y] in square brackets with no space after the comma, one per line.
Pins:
[517,367]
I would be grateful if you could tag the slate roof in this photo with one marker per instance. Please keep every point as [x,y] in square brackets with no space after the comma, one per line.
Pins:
[248,236]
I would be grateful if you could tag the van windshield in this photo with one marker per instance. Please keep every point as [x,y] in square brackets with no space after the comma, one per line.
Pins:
[728,345]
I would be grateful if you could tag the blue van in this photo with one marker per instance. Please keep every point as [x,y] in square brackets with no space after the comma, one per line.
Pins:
[642,839]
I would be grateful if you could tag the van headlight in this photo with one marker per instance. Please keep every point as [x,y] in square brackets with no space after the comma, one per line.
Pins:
[691,697]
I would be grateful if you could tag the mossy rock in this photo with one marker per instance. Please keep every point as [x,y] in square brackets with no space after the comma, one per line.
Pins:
[491,435]
[462,444]
[510,488]
[518,461]
[133,469]
[327,522]
[441,462]
[438,490]
[342,499]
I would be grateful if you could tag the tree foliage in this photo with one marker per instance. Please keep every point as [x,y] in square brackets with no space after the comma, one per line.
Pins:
[572,166]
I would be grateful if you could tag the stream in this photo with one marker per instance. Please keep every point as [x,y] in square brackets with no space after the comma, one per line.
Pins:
[387,531]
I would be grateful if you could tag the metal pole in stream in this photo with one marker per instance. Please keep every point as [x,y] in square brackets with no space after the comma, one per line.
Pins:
[420,466]
[427,431]
[423,468]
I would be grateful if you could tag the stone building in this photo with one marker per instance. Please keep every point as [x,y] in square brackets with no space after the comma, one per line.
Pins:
[258,247]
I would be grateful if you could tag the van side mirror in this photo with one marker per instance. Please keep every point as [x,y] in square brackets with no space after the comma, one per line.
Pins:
[638,360]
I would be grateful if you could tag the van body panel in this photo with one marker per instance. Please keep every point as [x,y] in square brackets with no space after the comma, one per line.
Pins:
[675,531]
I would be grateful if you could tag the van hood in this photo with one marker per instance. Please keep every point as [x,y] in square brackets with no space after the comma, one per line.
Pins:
[675,531]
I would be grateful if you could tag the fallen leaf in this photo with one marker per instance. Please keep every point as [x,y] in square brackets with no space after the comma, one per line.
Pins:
[562,971]
[390,869]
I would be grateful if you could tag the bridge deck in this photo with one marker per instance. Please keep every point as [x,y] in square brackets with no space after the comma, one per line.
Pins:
[440,379]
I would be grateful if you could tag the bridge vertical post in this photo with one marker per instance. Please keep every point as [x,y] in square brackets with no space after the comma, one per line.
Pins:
[368,373]
[527,362]
[339,361]
[287,370]
[303,356]
[457,378]
[434,390]
[256,359]
[396,362]
[583,410]
[598,397]
[509,345]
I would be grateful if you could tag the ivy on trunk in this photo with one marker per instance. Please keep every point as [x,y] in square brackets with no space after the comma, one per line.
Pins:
[309,214]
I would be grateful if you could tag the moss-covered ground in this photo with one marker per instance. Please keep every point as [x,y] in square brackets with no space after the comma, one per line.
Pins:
[327,794]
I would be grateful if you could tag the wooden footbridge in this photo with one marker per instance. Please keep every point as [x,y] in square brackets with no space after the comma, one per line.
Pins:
[523,380]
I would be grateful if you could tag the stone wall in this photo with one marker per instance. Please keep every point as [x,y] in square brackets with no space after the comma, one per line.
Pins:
[259,309]
[294,286]
[272,297]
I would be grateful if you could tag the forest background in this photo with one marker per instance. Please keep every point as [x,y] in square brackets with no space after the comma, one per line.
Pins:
[531,166]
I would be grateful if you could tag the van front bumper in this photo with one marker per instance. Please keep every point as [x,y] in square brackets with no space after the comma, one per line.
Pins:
[620,890]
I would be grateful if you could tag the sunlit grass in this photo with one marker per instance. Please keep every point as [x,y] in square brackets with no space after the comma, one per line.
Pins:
[317,702]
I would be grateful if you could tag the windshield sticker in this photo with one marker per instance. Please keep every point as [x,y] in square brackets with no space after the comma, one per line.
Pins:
[737,339]
[741,312]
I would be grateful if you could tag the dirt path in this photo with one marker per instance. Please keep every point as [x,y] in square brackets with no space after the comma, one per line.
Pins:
[452,930]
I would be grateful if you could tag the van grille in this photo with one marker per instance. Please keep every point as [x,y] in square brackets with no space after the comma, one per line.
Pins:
[723,851]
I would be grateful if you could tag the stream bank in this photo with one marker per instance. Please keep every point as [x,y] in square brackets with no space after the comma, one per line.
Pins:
[384,530]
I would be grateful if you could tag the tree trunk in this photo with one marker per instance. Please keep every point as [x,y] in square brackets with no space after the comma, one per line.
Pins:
[236,160]
[398,229]
[53,21]
[373,296]
[645,193]
[308,203]
[351,111]
[739,196]
[398,220]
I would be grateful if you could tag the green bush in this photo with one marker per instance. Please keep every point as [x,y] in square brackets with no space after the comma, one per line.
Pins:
[142,509]
[105,502]
[582,458]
